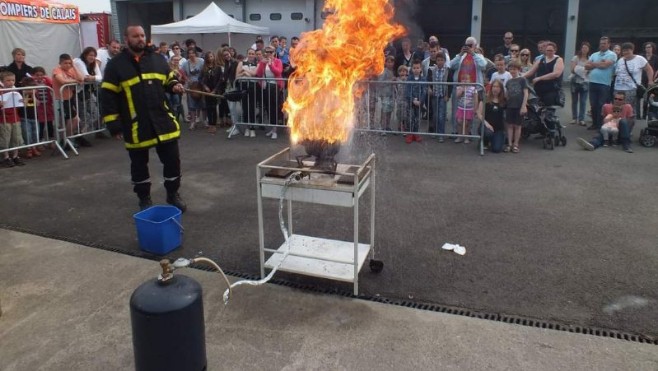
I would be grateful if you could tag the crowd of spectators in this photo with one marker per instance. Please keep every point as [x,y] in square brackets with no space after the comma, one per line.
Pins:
[243,91]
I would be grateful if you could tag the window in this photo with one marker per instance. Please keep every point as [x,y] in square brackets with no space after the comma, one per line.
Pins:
[254,17]
[275,16]
[296,16]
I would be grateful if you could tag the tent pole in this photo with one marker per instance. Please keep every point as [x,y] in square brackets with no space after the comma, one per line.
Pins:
[229,39]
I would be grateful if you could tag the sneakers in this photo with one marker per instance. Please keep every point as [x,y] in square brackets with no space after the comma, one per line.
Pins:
[467,141]
[176,200]
[269,133]
[582,123]
[252,133]
[247,132]
[441,140]
[274,136]
[145,202]
[459,140]
[628,149]
[409,138]
[233,130]
[17,161]
[418,138]
[8,162]
[585,144]
[606,143]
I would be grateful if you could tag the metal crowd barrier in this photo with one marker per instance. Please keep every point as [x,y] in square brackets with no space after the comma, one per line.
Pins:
[384,107]
[80,115]
[38,118]
[261,105]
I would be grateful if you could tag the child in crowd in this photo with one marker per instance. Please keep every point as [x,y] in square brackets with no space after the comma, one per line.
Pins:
[416,94]
[493,118]
[440,73]
[10,122]
[468,100]
[501,73]
[401,103]
[610,126]
[385,93]
[66,75]
[517,98]
[44,102]
[28,114]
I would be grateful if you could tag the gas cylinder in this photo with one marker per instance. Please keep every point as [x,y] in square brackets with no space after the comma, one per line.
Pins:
[168,325]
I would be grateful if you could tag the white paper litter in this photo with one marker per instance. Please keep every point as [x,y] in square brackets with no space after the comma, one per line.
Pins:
[458,249]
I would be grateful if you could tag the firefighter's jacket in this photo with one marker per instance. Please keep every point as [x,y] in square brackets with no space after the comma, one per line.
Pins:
[133,100]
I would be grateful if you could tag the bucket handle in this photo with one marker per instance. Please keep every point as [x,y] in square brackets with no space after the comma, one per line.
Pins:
[180,225]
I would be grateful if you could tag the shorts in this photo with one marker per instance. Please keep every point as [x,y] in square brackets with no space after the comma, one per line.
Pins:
[513,116]
[70,108]
[387,104]
[10,135]
[463,114]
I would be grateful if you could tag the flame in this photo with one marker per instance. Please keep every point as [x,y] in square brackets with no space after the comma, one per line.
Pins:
[330,61]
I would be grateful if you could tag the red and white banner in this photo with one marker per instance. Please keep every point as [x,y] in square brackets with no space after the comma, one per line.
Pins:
[38,11]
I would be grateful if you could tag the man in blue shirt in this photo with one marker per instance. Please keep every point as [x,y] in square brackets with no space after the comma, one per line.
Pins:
[601,67]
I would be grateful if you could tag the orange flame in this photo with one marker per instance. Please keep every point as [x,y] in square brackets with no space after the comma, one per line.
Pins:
[330,61]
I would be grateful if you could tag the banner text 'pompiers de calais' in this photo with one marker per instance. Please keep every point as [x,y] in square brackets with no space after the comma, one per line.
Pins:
[38,11]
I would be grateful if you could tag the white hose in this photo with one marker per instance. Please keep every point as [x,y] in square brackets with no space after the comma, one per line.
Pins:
[292,178]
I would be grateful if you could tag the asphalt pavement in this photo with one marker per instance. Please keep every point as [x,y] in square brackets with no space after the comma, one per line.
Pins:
[561,235]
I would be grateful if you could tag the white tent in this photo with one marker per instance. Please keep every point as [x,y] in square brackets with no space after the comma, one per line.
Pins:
[210,28]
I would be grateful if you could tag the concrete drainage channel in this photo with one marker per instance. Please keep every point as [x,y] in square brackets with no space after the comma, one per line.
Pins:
[511,319]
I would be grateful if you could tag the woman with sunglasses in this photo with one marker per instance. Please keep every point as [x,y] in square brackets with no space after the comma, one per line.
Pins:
[525,58]
[272,69]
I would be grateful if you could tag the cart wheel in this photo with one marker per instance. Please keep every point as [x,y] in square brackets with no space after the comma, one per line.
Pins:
[376,266]
[563,140]
[647,140]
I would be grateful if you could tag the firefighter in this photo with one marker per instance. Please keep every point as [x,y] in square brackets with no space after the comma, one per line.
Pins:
[134,107]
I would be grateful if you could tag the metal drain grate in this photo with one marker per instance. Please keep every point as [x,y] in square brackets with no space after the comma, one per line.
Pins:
[511,319]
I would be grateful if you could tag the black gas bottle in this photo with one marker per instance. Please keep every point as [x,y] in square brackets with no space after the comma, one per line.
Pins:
[168,325]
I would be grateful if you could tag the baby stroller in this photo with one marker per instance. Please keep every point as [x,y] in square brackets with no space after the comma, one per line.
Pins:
[542,120]
[649,135]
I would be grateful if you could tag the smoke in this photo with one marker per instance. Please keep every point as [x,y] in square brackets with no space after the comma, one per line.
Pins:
[405,14]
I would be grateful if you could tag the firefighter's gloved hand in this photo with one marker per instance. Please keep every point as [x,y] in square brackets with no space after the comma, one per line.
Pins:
[114,127]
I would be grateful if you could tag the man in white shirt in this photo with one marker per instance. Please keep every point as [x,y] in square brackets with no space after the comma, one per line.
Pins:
[105,54]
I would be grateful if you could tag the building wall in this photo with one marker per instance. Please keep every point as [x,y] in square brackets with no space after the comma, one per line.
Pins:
[451,20]
[192,8]
[283,17]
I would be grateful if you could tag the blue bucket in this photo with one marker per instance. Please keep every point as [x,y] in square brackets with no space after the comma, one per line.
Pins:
[159,229]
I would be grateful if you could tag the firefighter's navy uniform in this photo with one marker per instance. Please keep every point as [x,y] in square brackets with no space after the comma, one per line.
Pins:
[133,103]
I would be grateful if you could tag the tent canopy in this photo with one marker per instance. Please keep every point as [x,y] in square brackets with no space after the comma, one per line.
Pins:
[210,20]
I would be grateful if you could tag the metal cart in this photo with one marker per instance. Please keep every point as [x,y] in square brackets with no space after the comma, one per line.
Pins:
[315,256]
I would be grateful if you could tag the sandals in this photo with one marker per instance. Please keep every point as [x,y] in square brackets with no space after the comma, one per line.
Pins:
[515,149]
[507,149]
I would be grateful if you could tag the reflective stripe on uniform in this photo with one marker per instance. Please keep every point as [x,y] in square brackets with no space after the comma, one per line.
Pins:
[129,95]
[110,118]
[147,143]
[111,87]
[154,76]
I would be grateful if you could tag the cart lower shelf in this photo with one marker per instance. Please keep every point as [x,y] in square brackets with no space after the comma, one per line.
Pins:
[317,253]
